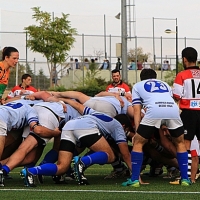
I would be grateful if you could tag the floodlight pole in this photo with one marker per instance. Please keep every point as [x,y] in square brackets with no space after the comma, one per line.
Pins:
[124,40]
[105,36]
[176,47]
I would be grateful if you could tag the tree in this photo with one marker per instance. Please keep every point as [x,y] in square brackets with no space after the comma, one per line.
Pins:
[42,81]
[140,54]
[53,38]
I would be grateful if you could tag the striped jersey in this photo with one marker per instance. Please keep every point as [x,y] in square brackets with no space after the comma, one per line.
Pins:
[186,88]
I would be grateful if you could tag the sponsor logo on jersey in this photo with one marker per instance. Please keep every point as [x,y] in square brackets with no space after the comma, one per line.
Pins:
[195,104]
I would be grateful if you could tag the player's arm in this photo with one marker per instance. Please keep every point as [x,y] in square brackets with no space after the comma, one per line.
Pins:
[82,98]
[74,104]
[130,112]
[123,147]
[112,94]
[42,95]
[12,99]
[42,131]
[137,115]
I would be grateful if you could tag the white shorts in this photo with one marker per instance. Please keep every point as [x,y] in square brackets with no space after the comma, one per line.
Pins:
[101,106]
[170,123]
[46,118]
[3,128]
[75,135]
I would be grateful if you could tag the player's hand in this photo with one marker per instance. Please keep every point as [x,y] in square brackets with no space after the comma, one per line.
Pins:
[57,131]
[129,97]
[22,92]
[120,100]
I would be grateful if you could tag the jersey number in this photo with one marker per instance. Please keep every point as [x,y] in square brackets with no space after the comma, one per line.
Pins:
[14,105]
[194,89]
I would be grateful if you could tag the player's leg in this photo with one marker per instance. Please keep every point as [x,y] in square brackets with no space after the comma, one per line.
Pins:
[141,137]
[19,155]
[3,134]
[182,154]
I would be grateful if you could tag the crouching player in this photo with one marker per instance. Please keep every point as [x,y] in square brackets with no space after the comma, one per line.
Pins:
[91,130]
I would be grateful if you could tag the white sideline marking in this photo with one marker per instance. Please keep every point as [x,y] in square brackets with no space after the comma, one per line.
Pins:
[98,191]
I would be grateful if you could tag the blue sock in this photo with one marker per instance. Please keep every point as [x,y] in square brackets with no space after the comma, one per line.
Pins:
[183,164]
[48,169]
[136,163]
[99,157]
[6,169]
[50,157]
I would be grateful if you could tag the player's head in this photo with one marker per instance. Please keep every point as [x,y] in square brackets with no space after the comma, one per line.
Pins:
[10,55]
[116,76]
[147,74]
[26,79]
[189,55]
[125,121]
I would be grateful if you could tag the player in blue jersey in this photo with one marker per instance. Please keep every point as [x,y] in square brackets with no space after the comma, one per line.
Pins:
[108,103]
[89,130]
[156,96]
[111,104]
[15,115]
[49,115]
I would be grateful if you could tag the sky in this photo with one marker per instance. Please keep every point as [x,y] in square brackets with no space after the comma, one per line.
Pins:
[87,16]
[187,14]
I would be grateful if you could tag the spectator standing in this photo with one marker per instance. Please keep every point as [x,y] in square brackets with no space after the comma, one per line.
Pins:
[24,88]
[86,66]
[118,64]
[77,64]
[139,65]
[105,64]
[72,64]
[10,57]
[166,65]
[145,65]
[132,65]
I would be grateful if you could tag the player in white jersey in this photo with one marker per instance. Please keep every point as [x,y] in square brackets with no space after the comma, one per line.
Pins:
[111,105]
[155,95]
[49,115]
[52,155]
[89,130]
[15,115]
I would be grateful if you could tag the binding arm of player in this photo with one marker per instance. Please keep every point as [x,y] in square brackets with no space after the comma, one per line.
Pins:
[82,98]
[74,104]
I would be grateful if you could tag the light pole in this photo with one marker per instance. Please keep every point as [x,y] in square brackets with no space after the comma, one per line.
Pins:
[176,32]
[104,20]
[167,31]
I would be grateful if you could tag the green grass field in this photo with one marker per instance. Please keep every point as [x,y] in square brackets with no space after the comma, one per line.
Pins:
[99,188]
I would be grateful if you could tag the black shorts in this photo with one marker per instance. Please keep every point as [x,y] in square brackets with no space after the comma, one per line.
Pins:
[191,123]
[148,131]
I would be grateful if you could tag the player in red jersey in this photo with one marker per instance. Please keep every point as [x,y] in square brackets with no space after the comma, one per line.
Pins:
[24,88]
[118,86]
[186,89]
